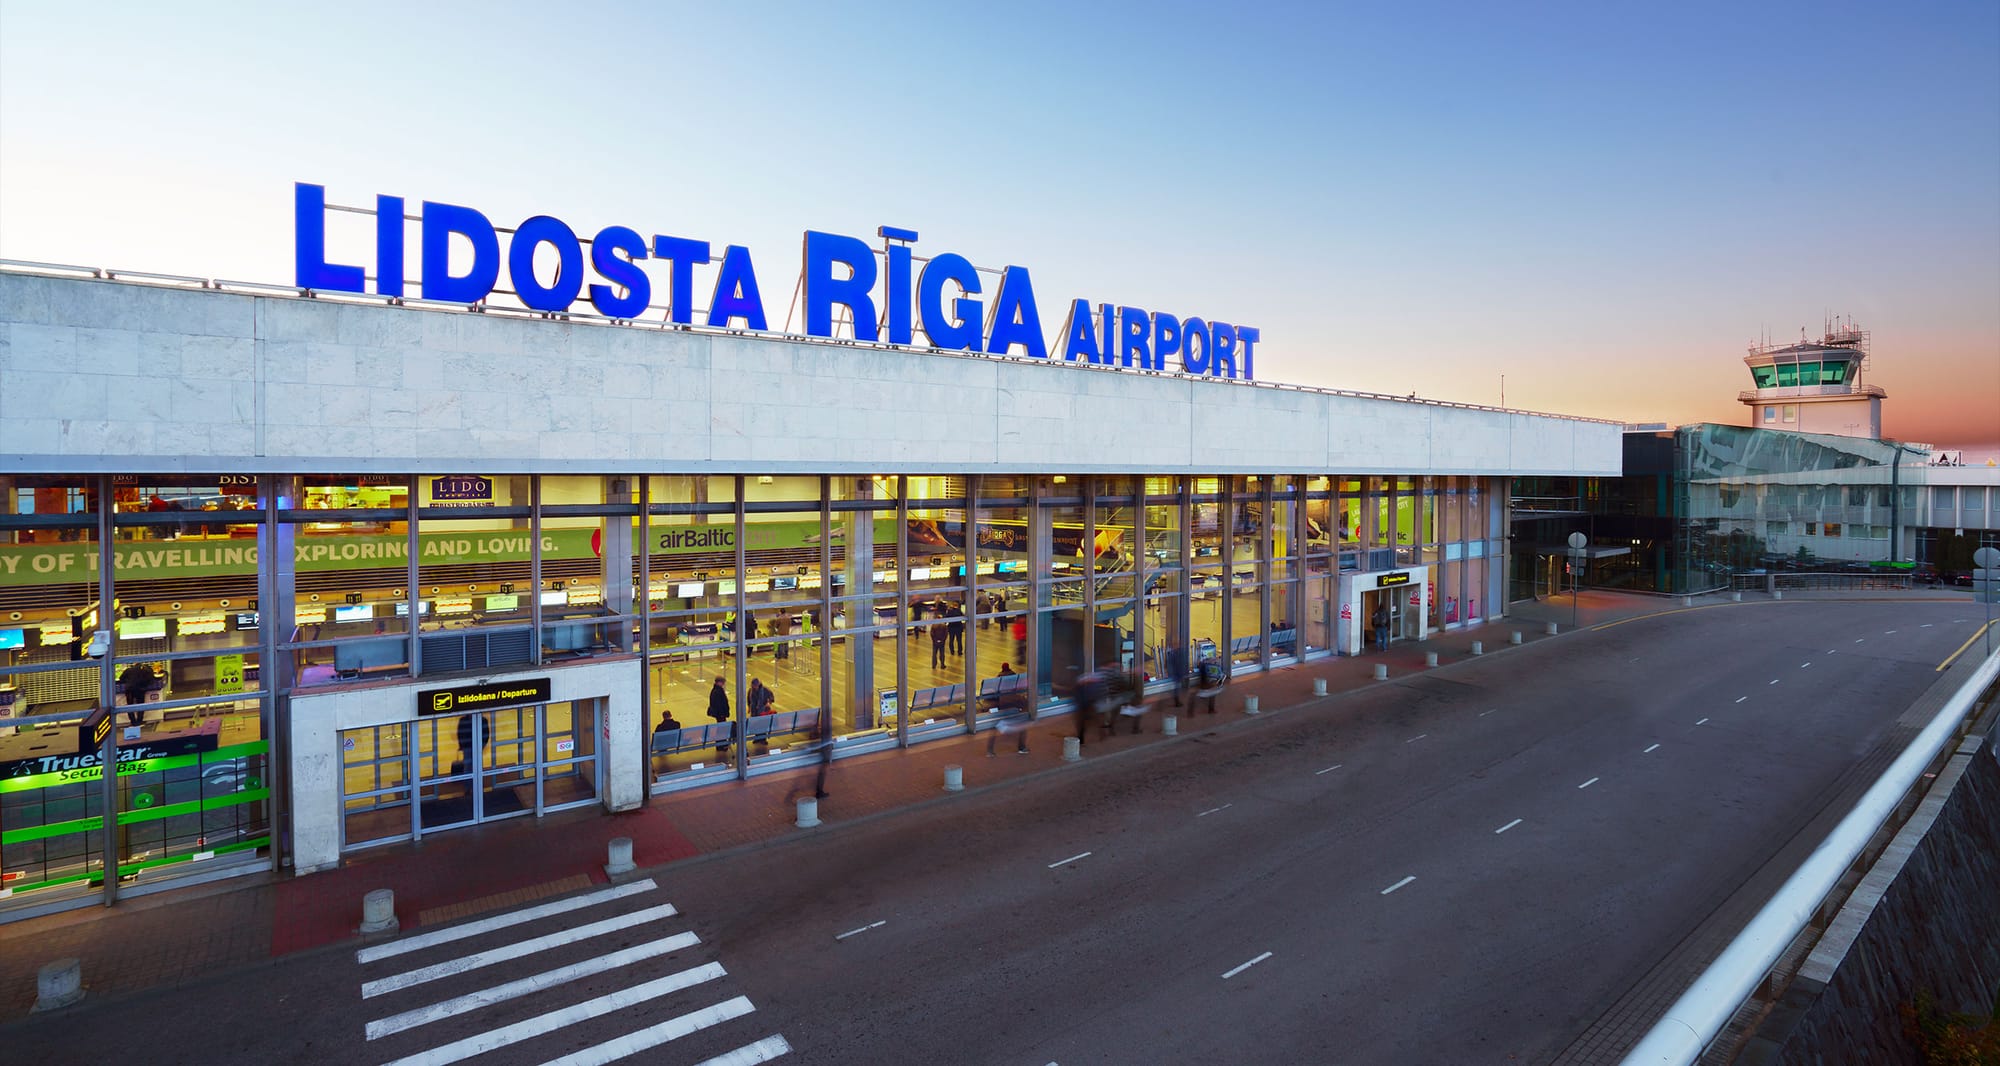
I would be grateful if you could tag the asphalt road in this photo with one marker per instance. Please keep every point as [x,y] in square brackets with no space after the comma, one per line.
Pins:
[1468,866]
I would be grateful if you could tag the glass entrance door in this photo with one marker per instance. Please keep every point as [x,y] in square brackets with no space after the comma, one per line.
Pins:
[469,768]
[448,788]
[506,771]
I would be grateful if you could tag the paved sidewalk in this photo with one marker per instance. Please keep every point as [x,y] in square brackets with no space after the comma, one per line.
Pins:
[178,937]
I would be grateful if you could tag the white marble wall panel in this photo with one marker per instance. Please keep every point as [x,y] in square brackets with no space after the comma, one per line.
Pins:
[109,376]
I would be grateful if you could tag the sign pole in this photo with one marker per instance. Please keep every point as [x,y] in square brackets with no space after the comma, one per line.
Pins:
[1577,543]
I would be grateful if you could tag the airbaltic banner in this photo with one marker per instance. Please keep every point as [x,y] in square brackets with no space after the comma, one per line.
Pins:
[837,272]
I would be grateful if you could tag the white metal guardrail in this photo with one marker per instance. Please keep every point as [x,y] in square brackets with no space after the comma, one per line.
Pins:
[1684,1032]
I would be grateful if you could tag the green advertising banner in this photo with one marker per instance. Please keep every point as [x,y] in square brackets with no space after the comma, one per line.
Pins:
[192,557]
[48,564]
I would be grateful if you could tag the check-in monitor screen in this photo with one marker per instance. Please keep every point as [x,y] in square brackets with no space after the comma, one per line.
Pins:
[11,639]
[690,590]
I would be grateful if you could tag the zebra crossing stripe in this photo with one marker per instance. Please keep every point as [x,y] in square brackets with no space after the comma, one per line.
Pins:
[459,1050]
[410,1019]
[452,967]
[655,1035]
[750,1054]
[486,925]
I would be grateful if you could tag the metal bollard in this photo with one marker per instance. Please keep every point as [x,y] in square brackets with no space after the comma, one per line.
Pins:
[1249,705]
[1430,658]
[1170,726]
[621,857]
[1381,671]
[1072,749]
[1687,601]
[954,778]
[1777,594]
[1735,597]
[1514,637]
[808,812]
[1319,686]
[1478,648]
[378,912]
[1552,629]
[58,985]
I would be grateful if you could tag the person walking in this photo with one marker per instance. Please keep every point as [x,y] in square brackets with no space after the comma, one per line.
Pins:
[718,709]
[1380,620]
[781,627]
[759,702]
[955,629]
[1177,671]
[1014,719]
[1090,691]
[940,633]
[749,632]
[824,736]
[136,683]
[1020,630]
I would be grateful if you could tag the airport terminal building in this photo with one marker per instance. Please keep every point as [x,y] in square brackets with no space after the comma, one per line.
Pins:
[347,569]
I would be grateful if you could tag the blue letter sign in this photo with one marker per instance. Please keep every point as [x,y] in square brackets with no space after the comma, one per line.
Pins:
[836,271]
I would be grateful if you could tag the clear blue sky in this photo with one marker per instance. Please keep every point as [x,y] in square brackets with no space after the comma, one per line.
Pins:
[1604,202]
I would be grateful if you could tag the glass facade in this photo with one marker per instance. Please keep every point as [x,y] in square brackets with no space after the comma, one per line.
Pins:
[766,611]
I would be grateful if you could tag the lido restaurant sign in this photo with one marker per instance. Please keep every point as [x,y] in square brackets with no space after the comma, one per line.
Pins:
[949,302]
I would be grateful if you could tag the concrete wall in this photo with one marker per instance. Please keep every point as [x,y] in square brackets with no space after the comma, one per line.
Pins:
[318,717]
[1923,918]
[99,376]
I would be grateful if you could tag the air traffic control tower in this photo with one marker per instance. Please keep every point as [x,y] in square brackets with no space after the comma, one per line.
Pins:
[1812,387]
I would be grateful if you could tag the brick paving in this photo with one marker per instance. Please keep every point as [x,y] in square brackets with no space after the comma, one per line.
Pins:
[177,937]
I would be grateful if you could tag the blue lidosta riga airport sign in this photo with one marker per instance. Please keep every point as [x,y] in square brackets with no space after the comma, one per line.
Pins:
[837,271]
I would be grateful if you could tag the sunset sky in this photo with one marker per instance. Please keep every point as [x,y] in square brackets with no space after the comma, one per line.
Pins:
[1606,204]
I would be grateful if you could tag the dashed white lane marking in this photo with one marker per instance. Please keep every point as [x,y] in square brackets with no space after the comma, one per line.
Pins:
[429,1013]
[1589,783]
[1246,966]
[556,1019]
[1398,884]
[750,1054]
[1506,827]
[1328,770]
[863,929]
[1740,699]
[1650,750]
[1858,640]
[1702,722]
[1804,665]
[474,961]
[1926,625]
[1886,632]
[1416,738]
[1212,810]
[1488,711]
[672,1029]
[1072,858]
[1774,681]
[486,925]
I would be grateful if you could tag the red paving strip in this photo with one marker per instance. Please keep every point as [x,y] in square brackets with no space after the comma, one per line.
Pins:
[460,866]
